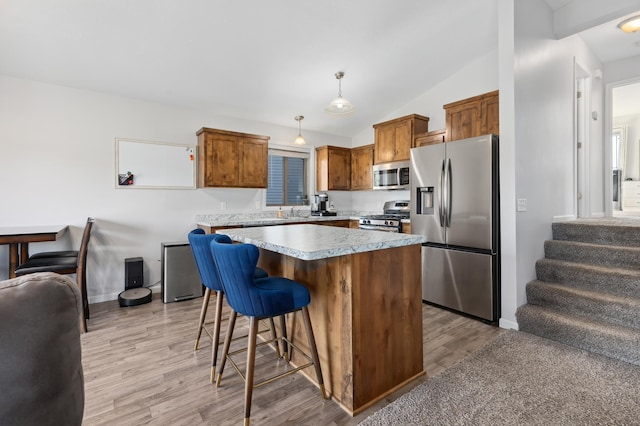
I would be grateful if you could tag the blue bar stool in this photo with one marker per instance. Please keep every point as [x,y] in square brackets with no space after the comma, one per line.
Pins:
[259,299]
[199,242]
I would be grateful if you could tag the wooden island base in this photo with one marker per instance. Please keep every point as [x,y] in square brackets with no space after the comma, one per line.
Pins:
[366,312]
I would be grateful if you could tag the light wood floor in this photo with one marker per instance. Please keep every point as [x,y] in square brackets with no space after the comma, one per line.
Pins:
[140,368]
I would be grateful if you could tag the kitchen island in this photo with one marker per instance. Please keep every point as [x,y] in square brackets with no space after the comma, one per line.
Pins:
[365,303]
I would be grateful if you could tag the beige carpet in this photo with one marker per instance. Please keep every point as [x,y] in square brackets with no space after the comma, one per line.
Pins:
[522,379]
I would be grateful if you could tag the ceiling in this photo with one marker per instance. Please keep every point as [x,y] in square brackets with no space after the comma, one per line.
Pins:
[260,60]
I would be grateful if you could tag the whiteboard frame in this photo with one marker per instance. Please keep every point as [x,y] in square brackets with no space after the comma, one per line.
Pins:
[194,170]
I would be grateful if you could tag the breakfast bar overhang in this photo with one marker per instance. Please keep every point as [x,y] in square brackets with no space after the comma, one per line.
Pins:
[365,303]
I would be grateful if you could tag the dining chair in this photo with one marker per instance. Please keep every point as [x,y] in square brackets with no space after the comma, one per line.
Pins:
[66,265]
[200,242]
[259,299]
[59,253]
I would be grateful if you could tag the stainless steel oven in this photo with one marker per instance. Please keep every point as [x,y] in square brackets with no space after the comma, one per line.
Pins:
[391,220]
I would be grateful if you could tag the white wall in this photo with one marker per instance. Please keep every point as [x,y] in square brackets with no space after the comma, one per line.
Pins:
[57,165]
[544,117]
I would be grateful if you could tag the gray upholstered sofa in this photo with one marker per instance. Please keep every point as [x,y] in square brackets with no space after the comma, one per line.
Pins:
[41,379]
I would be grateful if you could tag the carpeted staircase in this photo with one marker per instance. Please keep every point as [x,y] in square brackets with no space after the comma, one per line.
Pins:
[587,291]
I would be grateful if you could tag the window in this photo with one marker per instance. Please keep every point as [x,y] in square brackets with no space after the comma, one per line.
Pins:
[287,178]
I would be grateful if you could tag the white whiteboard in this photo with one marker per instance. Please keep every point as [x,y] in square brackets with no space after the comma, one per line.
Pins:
[155,164]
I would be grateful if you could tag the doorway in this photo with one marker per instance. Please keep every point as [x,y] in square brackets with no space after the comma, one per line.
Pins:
[624,140]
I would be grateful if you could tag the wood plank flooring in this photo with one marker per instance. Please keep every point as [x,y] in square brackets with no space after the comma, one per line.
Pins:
[140,368]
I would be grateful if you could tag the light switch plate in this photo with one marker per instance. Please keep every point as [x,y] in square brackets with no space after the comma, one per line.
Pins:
[521,205]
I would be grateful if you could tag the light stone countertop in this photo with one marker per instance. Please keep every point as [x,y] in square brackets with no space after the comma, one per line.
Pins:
[265,221]
[312,242]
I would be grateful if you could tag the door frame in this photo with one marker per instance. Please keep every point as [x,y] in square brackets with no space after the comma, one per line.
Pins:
[581,135]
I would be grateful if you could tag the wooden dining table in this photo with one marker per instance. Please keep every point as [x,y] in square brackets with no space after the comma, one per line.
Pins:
[19,237]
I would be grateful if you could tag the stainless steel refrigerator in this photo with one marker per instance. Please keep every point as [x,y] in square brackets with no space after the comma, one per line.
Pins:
[455,204]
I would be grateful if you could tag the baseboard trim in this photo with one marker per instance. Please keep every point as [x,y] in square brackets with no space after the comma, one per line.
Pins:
[564,218]
[508,324]
[114,296]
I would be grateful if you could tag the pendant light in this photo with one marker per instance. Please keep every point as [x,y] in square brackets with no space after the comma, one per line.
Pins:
[630,25]
[299,140]
[339,106]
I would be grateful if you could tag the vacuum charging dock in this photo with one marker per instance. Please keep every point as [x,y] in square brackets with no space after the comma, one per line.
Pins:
[134,294]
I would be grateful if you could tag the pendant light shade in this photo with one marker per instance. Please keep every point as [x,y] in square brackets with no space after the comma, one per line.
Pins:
[630,25]
[340,105]
[299,140]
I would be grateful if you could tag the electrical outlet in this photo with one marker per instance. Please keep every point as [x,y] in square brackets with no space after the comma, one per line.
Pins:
[521,205]
[258,205]
[223,205]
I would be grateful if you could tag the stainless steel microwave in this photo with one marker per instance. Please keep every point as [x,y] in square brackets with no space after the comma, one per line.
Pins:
[393,175]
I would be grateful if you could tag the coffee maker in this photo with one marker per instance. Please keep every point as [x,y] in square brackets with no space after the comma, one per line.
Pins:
[320,206]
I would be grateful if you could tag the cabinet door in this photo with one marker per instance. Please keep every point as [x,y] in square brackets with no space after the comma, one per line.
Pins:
[339,169]
[403,136]
[430,138]
[491,115]
[221,164]
[463,121]
[253,163]
[362,167]
[385,144]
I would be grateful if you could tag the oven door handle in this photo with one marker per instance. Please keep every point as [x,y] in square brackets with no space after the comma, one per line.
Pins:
[379,228]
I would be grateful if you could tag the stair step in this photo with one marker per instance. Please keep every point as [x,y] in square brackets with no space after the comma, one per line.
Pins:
[591,305]
[594,254]
[615,281]
[610,231]
[614,341]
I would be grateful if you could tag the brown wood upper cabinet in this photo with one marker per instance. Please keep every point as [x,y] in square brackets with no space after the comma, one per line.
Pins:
[429,138]
[362,167]
[232,159]
[333,168]
[474,116]
[394,138]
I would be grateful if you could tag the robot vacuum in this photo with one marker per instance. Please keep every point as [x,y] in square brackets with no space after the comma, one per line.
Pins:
[134,297]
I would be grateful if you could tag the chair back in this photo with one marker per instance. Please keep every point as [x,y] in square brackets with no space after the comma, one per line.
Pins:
[236,264]
[199,242]
[84,247]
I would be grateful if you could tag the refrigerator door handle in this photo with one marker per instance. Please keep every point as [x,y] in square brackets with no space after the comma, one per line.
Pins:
[441,206]
[449,190]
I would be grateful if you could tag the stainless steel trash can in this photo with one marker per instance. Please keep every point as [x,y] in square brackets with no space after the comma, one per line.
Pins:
[179,276]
